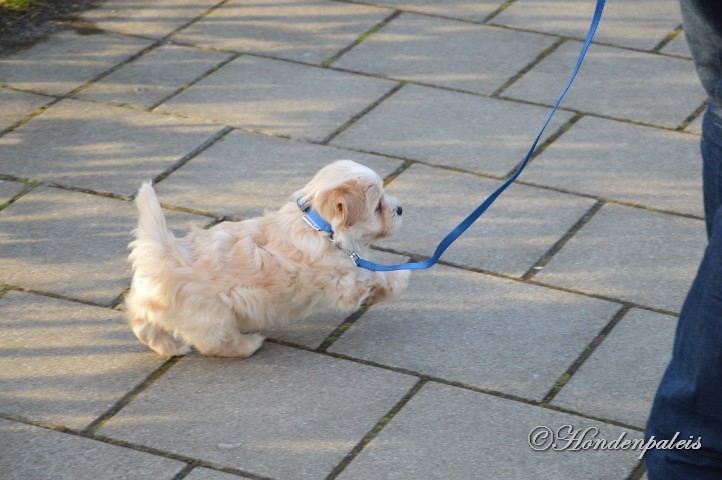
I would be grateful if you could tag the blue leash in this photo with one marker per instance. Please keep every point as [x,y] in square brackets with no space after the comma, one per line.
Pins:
[473,216]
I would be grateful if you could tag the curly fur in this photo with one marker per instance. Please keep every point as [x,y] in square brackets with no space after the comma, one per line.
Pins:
[202,289]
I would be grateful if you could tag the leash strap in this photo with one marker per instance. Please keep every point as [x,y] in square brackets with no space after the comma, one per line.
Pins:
[473,216]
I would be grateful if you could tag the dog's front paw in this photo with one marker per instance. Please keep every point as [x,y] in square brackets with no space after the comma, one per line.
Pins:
[399,279]
[390,285]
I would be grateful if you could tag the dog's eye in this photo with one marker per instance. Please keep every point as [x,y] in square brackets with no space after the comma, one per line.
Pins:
[379,207]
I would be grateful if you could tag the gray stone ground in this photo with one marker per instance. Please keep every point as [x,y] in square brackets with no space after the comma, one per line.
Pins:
[558,308]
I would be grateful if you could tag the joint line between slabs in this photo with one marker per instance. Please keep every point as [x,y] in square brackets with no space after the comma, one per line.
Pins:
[130,396]
[368,438]
[216,137]
[361,38]
[564,379]
[498,11]
[548,51]
[185,471]
[362,113]
[341,329]
[199,78]
[546,258]
[546,143]
[667,39]
[638,471]
[693,116]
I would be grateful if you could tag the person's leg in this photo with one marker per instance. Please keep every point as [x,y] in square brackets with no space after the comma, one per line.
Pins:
[712,162]
[689,398]
[703,28]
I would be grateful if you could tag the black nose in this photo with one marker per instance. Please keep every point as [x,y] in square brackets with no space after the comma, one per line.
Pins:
[399,210]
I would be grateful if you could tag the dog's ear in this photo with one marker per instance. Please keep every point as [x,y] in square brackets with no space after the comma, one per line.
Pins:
[344,205]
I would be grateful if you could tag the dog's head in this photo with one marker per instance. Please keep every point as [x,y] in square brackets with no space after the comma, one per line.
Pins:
[351,198]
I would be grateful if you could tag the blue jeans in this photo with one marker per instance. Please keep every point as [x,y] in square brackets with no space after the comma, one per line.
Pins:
[689,398]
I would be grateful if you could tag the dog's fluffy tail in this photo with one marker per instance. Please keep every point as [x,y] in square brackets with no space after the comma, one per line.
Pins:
[151,221]
[153,240]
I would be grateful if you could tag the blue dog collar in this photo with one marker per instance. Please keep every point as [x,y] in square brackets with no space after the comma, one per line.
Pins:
[314,219]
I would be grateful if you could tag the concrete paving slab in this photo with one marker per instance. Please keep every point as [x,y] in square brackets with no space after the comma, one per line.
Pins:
[309,31]
[86,145]
[279,97]
[641,84]
[148,80]
[283,413]
[621,377]
[678,46]
[66,61]
[244,174]
[448,53]
[479,330]
[28,452]
[510,238]
[208,474]
[72,243]
[18,105]
[475,11]
[631,254]
[647,166]
[147,19]
[450,433]
[463,131]
[626,23]
[9,189]
[66,363]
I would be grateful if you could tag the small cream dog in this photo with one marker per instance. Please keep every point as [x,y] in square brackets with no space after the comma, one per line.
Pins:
[200,290]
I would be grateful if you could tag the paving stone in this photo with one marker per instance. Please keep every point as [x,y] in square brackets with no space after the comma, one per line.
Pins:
[245,174]
[309,31]
[86,145]
[454,129]
[620,378]
[646,166]
[66,61]
[510,237]
[72,243]
[8,189]
[448,53]
[284,413]
[153,77]
[66,363]
[617,83]
[652,21]
[148,19]
[208,474]
[274,96]
[479,330]
[678,46]
[631,254]
[449,433]
[475,11]
[18,105]
[28,452]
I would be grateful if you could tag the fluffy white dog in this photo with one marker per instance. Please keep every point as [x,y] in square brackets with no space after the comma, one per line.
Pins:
[200,290]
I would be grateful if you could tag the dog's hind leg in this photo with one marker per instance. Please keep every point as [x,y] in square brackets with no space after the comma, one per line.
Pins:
[222,339]
[237,344]
[157,338]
